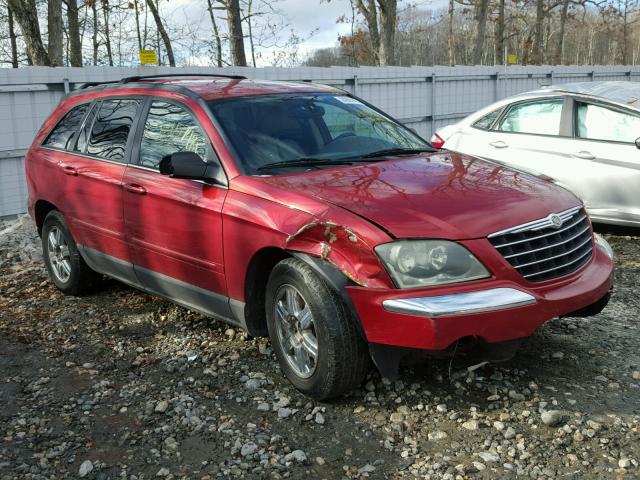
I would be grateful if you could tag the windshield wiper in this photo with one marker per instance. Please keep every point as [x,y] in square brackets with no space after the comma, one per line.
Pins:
[304,162]
[396,151]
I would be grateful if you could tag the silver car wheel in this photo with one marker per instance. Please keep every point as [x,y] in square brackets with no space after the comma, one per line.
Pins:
[58,253]
[296,330]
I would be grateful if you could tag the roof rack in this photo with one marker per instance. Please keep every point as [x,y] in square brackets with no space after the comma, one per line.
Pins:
[169,75]
[172,75]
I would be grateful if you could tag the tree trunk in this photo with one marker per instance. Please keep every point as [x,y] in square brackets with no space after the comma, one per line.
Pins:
[450,44]
[481,27]
[25,13]
[12,38]
[558,57]
[94,37]
[249,27]
[370,14]
[55,35]
[236,37]
[107,36]
[216,34]
[537,53]
[75,46]
[500,34]
[162,32]
[388,11]
[137,17]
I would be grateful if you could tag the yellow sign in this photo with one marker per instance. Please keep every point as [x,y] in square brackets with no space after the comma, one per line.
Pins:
[148,57]
[512,59]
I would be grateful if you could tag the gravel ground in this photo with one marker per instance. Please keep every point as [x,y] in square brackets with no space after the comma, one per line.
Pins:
[123,385]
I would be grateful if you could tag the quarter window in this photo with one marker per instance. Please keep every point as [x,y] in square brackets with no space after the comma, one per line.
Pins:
[600,123]
[62,135]
[542,118]
[111,129]
[169,129]
[485,122]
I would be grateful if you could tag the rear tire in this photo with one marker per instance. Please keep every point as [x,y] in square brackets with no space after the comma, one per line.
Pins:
[67,269]
[305,315]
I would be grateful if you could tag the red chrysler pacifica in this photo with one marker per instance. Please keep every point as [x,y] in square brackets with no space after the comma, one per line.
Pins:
[298,211]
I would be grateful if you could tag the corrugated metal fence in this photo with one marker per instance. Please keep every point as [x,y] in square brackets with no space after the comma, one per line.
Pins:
[425,98]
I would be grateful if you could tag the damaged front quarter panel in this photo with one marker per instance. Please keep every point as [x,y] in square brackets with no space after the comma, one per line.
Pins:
[340,246]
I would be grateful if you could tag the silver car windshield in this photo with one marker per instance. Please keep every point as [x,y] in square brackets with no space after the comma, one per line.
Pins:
[268,129]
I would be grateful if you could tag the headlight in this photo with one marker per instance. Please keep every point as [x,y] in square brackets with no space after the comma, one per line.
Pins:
[417,263]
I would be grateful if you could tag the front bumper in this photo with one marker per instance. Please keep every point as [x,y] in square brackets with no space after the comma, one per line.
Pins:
[493,310]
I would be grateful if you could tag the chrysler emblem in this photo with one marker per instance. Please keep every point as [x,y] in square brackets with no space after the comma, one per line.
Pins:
[556,221]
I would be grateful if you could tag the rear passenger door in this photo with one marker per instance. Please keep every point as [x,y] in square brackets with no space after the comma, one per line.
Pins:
[174,226]
[604,140]
[93,185]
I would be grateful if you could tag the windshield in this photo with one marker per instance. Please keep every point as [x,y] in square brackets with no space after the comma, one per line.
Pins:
[271,129]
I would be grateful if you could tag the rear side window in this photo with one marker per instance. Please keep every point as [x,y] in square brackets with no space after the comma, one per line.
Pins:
[542,118]
[485,122]
[62,134]
[169,129]
[111,129]
[600,123]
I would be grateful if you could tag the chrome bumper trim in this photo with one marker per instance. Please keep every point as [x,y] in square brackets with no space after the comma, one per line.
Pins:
[460,303]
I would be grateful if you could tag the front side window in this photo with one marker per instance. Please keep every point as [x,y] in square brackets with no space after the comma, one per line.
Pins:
[111,129]
[168,129]
[601,123]
[542,118]
[62,134]
[268,129]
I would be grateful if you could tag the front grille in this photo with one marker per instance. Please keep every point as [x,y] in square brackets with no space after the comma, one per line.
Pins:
[541,250]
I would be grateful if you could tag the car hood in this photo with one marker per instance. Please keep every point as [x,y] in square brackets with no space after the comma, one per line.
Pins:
[440,195]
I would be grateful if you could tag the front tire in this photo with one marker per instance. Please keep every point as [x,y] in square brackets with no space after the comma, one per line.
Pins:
[67,269]
[314,335]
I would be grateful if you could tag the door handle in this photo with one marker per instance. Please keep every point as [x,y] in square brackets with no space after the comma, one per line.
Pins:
[498,144]
[68,170]
[584,155]
[135,188]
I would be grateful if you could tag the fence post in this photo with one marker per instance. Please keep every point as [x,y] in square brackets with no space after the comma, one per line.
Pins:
[496,88]
[66,86]
[355,85]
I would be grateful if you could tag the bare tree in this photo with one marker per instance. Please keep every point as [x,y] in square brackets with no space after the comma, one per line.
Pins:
[162,32]
[75,44]
[12,39]
[107,36]
[450,45]
[55,36]
[481,10]
[236,37]
[216,33]
[500,32]
[26,14]
[370,14]
[388,13]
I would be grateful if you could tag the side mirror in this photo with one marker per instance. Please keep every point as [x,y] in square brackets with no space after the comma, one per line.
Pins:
[188,165]
[638,142]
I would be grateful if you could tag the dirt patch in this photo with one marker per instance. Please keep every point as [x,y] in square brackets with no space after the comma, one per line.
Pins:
[139,387]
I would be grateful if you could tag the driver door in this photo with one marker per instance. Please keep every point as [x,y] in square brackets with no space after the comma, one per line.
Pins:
[174,226]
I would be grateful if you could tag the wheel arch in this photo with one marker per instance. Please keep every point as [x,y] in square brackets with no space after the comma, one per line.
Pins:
[260,267]
[41,209]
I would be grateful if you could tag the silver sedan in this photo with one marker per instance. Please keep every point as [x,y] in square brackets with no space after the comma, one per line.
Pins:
[585,136]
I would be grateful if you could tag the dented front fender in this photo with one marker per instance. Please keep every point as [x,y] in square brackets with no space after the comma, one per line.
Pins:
[340,246]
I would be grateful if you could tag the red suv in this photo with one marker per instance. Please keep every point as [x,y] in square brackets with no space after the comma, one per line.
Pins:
[299,211]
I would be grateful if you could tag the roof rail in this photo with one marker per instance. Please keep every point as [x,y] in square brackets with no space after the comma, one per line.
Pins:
[172,75]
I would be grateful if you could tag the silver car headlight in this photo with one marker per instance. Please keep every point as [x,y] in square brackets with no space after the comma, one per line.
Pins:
[418,263]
